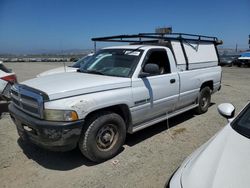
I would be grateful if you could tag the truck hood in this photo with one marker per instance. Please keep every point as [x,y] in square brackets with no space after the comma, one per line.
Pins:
[224,162]
[74,83]
[57,70]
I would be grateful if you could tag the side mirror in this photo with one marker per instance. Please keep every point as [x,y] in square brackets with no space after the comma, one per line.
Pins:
[150,69]
[227,110]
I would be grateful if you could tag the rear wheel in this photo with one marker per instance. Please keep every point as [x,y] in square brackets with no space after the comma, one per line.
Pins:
[204,100]
[103,136]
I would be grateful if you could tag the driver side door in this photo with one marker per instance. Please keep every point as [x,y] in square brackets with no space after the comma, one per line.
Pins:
[155,95]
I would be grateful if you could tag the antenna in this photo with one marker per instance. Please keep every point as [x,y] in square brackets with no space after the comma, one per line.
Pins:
[94,46]
[64,66]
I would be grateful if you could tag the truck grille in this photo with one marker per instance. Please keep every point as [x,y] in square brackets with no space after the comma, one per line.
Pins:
[27,100]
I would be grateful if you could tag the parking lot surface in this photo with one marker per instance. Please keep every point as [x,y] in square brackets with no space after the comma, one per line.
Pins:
[148,159]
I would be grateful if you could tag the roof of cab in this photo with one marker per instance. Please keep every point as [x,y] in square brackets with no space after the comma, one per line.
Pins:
[142,47]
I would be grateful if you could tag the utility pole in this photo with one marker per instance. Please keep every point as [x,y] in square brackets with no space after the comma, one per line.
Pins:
[249,41]
[236,48]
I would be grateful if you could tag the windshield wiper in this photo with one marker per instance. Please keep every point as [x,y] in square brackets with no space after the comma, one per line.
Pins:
[133,50]
[90,71]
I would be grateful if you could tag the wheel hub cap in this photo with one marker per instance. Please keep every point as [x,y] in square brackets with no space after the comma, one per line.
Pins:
[106,137]
[204,101]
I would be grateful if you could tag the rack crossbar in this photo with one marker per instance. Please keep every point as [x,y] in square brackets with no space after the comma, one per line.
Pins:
[141,38]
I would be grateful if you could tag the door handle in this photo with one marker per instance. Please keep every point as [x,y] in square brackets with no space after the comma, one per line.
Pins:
[172,81]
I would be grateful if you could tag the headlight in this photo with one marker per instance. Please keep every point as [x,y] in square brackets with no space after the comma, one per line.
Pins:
[60,115]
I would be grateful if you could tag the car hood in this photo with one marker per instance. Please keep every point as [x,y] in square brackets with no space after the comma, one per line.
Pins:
[246,58]
[57,70]
[224,162]
[74,83]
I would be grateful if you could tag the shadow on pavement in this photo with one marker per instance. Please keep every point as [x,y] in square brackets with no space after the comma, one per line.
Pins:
[133,139]
[54,160]
[72,159]
[4,107]
[62,161]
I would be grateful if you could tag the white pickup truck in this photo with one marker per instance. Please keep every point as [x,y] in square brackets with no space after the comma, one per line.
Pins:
[121,90]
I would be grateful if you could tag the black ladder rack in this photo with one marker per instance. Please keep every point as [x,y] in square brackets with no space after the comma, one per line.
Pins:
[143,38]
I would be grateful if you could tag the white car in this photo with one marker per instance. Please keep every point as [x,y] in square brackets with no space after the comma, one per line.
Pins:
[224,160]
[244,59]
[72,68]
[7,78]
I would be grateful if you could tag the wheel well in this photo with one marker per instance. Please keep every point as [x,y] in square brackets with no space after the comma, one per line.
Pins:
[121,109]
[208,84]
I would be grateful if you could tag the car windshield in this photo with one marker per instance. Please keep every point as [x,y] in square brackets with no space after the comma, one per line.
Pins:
[113,62]
[81,61]
[3,68]
[228,57]
[242,123]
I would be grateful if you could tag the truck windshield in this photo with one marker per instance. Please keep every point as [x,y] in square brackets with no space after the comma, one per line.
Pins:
[242,123]
[112,62]
[81,61]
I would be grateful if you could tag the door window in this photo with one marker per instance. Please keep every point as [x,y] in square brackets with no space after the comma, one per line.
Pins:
[160,58]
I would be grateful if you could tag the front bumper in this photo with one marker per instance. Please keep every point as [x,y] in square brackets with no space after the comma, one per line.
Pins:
[56,136]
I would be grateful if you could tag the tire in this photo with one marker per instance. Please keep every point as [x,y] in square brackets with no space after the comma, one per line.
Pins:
[103,137]
[204,100]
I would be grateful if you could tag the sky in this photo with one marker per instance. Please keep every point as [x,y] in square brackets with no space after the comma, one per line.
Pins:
[33,26]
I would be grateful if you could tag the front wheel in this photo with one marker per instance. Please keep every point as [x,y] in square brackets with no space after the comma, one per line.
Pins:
[103,136]
[204,100]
